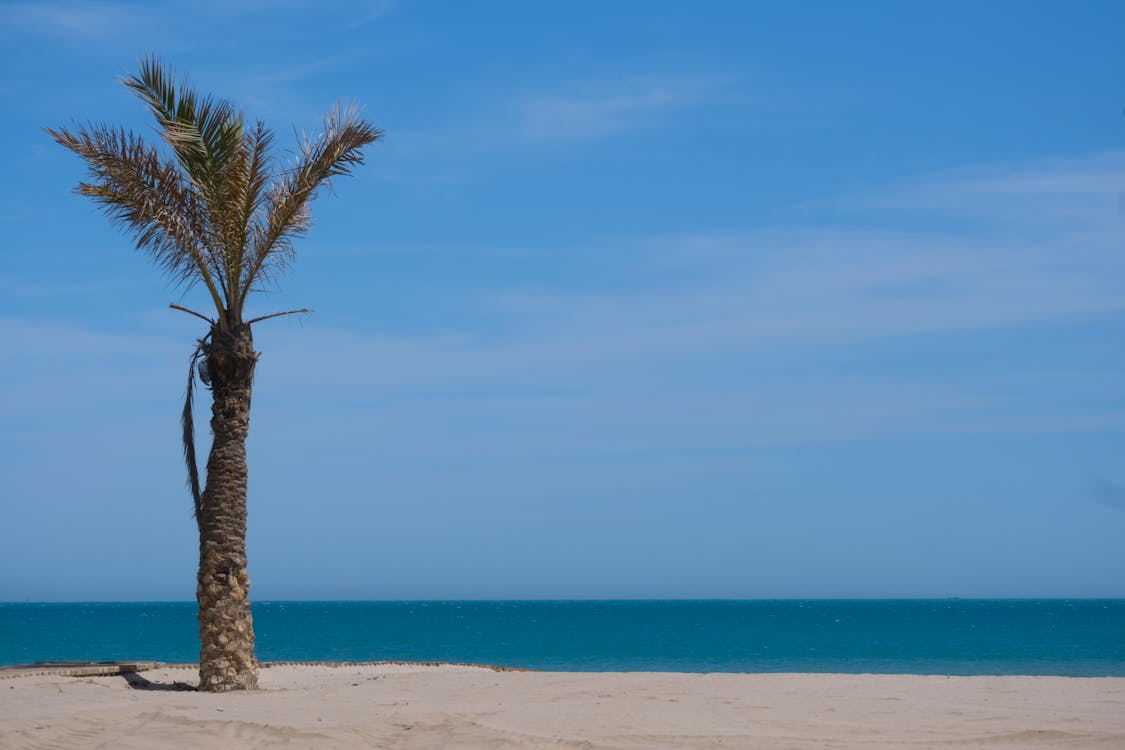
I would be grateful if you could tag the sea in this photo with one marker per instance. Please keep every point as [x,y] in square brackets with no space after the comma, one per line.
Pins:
[1071,637]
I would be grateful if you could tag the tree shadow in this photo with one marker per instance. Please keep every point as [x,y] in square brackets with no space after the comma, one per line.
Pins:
[137,682]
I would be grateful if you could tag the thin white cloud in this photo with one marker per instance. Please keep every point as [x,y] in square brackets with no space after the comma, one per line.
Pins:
[1046,190]
[375,10]
[80,21]
[601,110]
[566,114]
[280,91]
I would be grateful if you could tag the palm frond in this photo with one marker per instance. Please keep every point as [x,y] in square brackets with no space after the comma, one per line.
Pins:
[337,151]
[147,196]
[206,133]
[187,422]
[248,181]
[260,318]
[207,136]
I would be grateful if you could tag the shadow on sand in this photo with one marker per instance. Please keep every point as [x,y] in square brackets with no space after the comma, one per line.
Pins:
[137,682]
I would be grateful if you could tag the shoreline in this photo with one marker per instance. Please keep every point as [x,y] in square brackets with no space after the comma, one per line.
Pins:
[112,668]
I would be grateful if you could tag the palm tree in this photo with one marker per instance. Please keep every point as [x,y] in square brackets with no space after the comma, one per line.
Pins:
[213,209]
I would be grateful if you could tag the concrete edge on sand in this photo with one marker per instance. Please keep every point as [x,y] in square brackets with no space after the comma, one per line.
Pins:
[111,668]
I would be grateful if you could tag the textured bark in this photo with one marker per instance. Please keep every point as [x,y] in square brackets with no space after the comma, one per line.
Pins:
[226,630]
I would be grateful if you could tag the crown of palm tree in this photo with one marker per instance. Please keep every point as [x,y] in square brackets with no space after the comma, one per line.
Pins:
[217,210]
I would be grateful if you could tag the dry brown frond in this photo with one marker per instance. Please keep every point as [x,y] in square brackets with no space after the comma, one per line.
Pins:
[337,151]
[187,423]
[147,196]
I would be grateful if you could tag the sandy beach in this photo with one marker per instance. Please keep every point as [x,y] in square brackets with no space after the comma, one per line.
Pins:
[407,706]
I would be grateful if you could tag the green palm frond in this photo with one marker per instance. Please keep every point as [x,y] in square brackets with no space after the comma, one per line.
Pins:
[247,186]
[207,136]
[205,133]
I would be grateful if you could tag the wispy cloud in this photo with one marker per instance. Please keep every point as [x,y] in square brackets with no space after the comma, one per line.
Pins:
[376,10]
[82,21]
[1046,190]
[561,114]
[1024,265]
[281,90]
[603,109]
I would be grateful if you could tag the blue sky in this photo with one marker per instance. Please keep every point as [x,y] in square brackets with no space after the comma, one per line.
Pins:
[634,300]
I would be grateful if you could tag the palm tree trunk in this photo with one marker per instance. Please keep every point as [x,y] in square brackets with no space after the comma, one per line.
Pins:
[226,630]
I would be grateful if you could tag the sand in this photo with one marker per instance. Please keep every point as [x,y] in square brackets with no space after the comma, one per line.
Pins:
[406,706]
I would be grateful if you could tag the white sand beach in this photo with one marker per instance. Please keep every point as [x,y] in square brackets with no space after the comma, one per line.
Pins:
[408,706]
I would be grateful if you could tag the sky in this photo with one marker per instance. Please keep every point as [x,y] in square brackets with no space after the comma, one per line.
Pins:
[633,300]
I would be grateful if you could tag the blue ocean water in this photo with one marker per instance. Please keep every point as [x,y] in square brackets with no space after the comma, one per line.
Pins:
[1035,637]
